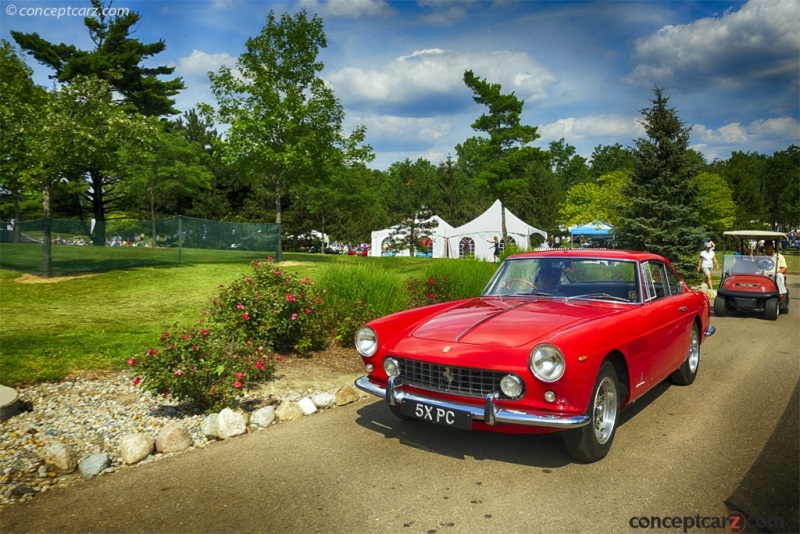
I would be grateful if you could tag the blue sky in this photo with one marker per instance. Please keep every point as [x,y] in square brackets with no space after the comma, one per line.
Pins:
[584,69]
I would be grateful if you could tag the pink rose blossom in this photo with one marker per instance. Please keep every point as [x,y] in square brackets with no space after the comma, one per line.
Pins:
[246,316]
[178,372]
[430,295]
[280,358]
[237,384]
[290,298]
[136,381]
[294,316]
[269,258]
[240,306]
[260,366]
[240,375]
[308,312]
[204,332]
[431,282]
[132,361]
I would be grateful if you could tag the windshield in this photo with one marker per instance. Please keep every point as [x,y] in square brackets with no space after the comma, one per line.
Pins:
[748,263]
[589,278]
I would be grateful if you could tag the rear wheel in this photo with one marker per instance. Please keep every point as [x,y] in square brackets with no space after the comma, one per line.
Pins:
[592,442]
[720,307]
[687,372]
[771,309]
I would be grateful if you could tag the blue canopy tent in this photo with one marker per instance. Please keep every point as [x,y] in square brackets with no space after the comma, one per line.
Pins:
[596,233]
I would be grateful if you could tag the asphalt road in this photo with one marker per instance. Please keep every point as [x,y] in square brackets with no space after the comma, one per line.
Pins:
[703,454]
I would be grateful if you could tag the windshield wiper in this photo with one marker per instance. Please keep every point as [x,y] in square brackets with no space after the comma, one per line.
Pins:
[533,292]
[600,296]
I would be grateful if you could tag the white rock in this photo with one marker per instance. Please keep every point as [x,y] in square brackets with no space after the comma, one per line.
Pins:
[134,448]
[346,395]
[210,425]
[263,416]
[307,405]
[94,465]
[230,424]
[324,400]
[174,437]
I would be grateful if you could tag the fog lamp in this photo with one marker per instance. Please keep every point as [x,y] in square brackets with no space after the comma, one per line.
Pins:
[549,396]
[391,366]
[511,386]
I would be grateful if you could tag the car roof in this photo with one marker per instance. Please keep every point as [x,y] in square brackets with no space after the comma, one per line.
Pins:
[613,254]
[755,234]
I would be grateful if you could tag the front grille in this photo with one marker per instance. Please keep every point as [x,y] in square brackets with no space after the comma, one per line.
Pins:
[448,379]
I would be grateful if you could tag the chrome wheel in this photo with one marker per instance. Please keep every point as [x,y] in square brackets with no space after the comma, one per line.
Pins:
[693,358]
[605,410]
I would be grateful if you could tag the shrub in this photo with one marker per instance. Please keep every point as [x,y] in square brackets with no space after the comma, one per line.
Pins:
[213,362]
[447,280]
[202,366]
[272,308]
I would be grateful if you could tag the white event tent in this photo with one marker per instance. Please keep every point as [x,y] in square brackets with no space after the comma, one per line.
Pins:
[476,238]
[384,237]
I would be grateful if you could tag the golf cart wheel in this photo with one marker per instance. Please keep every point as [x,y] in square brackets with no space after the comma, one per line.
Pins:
[771,310]
[720,307]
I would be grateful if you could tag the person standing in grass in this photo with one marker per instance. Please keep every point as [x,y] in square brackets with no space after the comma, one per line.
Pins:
[706,262]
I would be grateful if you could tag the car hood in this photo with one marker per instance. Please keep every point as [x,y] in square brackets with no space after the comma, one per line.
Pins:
[507,322]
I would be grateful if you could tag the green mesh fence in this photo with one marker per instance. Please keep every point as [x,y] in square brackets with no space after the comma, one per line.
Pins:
[131,243]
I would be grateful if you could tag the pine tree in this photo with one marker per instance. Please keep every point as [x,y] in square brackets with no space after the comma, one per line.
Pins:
[662,215]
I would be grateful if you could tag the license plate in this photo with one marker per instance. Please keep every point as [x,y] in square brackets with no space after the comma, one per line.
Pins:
[437,415]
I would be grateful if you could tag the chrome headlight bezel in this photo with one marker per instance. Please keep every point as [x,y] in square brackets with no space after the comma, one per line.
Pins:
[547,362]
[366,341]
[512,387]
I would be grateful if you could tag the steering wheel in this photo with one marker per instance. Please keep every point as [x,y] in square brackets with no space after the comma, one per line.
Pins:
[512,281]
[765,264]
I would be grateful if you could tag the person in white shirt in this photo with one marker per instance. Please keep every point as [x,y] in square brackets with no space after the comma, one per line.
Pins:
[769,251]
[708,260]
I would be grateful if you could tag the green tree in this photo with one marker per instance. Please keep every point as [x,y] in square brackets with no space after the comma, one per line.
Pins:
[716,210]
[745,174]
[285,123]
[568,166]
[500,158]
[662,214]
[157,179]
[782,186]
[599,201]
[118,60]
[408,189]
[20,101]
[610,158]
[115,51]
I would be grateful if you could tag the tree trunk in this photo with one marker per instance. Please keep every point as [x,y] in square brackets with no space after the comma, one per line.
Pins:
[47,239]
[98,208]
[153,216]
[278,198]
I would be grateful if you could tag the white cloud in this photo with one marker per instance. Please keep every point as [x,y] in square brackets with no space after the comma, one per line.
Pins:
[574,130]
[198,64]
[432,79]
[759,42]
[353,9]
[756,132]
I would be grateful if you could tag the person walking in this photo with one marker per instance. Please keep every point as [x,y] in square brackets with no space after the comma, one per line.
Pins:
[707,261]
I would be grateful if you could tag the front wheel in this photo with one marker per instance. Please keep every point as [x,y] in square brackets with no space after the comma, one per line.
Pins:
[771,309]
[687,372]
[592,442]
[720,306]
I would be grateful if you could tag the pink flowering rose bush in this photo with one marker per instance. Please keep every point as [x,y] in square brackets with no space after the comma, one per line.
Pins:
[214,361]
[200,364]
[273,308]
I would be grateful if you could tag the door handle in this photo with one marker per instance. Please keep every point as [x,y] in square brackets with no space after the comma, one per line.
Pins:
[683,308]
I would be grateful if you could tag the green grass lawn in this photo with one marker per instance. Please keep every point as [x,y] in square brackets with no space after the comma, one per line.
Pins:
[97,320]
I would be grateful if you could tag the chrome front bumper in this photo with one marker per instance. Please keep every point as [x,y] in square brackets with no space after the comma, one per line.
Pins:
[489,413]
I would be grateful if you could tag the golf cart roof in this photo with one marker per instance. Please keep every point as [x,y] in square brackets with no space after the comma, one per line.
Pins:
[754,234]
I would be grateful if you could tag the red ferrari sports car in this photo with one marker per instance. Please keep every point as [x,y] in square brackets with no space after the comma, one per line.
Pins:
[558,341]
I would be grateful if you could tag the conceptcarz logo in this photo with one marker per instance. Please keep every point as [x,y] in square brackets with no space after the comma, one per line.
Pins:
[734,522]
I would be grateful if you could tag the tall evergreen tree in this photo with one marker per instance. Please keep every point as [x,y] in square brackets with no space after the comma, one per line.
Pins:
[662,215]
[501,158]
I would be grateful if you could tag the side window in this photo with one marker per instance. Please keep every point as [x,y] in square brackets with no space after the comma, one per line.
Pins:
[653,278]
[674,282]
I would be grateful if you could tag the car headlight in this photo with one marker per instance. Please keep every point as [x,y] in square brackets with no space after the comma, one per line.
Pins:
[547,363]
[366,341]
